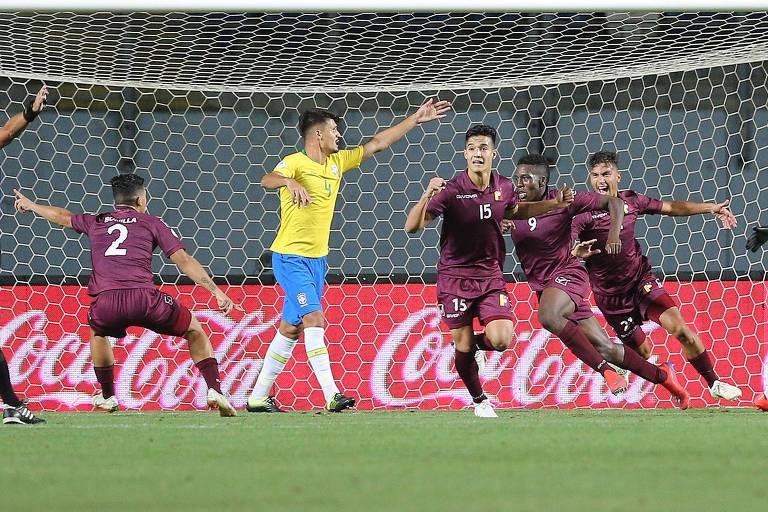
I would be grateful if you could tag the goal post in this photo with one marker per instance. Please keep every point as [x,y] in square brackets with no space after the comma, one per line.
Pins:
[202,104]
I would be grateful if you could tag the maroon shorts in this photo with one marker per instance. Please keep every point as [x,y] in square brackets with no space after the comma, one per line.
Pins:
[574,281]
[460,300]
[626,312]
[114,310]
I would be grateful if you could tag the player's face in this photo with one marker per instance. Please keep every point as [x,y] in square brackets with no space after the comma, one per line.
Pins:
[329,137]
[531,181]
[605,179]
[479,153]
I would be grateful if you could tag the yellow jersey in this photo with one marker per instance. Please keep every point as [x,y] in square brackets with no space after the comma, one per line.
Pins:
[305,231]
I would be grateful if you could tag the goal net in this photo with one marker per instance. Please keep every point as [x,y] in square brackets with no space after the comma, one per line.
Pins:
[204,104]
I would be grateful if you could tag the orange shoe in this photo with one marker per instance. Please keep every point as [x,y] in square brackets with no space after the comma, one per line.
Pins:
[673,386]
[616,383]
[761,402]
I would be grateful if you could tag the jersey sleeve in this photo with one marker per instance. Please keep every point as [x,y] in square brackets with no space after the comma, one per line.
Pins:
[649,205]
[438,203]
[577,225]
[166,238]
[83,222]
[285,169]
[512,197]
[585,202]
[350,158]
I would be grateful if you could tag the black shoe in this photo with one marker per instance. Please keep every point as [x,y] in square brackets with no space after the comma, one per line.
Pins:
[20,416]
[339,402]
[265,405]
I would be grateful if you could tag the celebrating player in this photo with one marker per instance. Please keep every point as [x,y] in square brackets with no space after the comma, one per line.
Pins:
[624,287]
[470,282]
[543,246]
[122,243]
[309,183]
[16,411]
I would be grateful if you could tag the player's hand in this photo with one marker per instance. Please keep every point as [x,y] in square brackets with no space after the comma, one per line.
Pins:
[507,225]
[724,215]
[435,185]
[431,110]
[757,238]
[23,203]
[564,196]
[40,99]
[584,249]
[299,194]
[613,247]
[226,305]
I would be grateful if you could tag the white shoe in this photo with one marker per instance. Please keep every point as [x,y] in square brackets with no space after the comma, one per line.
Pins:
[218,401]
[485,410]
[105,404]
[480,359]
[725,391]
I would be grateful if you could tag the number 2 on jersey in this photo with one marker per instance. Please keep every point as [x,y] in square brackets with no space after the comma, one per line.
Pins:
[115,249]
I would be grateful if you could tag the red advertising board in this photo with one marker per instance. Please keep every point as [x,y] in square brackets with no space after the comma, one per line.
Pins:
[386,343]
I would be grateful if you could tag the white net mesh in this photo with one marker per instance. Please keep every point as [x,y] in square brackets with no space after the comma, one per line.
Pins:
[205,104]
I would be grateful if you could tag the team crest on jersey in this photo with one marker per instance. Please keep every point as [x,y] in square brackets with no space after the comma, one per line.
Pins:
[497,196]
[626,208]
[503,300]
[281,165]
[302,298]
[648,287]
[334,170]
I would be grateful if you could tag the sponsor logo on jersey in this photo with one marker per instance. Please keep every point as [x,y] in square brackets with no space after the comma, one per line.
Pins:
[599,215]
[466,196]
[562,281]
[335,170]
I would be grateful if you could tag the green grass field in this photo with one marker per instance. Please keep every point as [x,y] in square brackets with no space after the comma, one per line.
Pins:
[699,460]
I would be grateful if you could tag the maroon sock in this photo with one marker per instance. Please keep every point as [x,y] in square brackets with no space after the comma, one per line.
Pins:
[106,377]
[468,371]
[482,343]
[703,365]
[635,340]
[579,344]
[635,363]
[209,368]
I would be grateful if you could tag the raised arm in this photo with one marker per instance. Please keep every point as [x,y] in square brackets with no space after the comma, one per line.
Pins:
[418,217]
[687,208]
[17,123]
[60,216]
[195,271]
[615,207]
[526,210]
[429,111]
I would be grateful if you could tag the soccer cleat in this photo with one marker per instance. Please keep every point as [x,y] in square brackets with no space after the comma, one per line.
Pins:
[339,402]
[266,404]
[485,410]
[616,383]
[218,401]
[105,404]
[20,416]
[725,391]
[621,371]
[761,402]
[673,386]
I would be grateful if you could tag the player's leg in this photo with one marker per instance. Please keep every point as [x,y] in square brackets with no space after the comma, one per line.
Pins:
[495,314]
[16,411]
[666,314]
[468,370]
[104,367]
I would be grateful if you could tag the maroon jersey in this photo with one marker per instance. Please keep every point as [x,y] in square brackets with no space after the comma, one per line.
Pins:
[471,241]
[543,243]
[619,273]
[122,243]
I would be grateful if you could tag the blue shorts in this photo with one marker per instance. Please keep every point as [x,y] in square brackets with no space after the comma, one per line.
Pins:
[303,280]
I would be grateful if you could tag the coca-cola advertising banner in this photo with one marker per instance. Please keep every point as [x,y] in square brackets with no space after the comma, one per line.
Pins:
[387,346]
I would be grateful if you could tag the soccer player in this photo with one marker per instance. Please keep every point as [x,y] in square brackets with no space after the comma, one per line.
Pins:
[308,184]
[122,243]
[543,246]
[16,411]
[470,272]
[624,287]
[754,242]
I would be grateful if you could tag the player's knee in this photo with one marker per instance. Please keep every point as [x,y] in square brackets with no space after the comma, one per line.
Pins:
[313,319]
[606,348]
[551,322]
[683,333]
[499,341]
[290,331]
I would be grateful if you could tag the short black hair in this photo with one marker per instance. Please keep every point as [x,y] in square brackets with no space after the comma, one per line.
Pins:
[603,157]
[311,118]
[535,160]
[482,130]
[126,188]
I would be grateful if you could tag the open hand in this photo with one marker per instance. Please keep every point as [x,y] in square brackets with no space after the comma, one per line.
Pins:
[431,110]
[584,249]
[23,203]
[299,194]
[724,215]
[40,99]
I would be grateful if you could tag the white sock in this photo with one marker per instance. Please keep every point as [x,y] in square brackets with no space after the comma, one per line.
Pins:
[317,354]
[278,354]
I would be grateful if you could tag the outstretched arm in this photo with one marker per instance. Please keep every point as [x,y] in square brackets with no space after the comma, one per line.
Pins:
[418,217]
[526,210]
[17,123]
[429,111]
[687,208]
[195,271]
[60,216]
